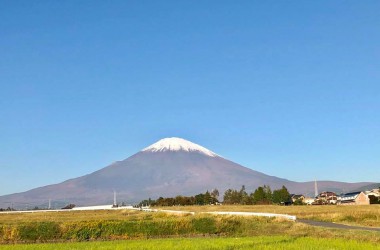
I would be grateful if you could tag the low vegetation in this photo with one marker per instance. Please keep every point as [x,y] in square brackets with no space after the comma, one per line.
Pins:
[141,225]
[259,242]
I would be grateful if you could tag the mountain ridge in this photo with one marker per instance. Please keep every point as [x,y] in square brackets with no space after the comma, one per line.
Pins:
[167,170]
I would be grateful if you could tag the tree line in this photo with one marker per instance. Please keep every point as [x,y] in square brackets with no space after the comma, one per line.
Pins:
[7,209]
[262,195]
[199,199]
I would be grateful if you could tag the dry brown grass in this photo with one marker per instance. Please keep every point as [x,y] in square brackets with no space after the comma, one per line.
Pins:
[365,215]
[72,216]
[350,215]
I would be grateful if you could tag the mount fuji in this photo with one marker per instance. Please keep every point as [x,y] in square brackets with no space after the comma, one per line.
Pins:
[167,168]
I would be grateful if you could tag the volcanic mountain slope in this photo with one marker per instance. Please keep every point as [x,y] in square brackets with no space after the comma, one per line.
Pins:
[170,167]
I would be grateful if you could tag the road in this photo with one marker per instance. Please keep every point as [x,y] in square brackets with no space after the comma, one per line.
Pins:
[335,225]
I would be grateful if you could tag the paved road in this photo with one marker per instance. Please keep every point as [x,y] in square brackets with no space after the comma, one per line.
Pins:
[335,225]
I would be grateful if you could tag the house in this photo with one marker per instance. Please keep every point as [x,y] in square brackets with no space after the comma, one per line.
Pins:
[325,198]
[298,197]
[374,192]
[373,196]
[308,200]
[354,198]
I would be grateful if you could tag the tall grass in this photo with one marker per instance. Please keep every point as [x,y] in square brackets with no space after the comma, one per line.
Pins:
[365,215]
[147,226]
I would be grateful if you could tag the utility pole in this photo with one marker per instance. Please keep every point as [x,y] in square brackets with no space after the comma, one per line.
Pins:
[316,189]
[114,198]
[49,204]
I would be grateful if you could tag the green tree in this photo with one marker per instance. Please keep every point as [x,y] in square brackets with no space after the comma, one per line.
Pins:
[232,196]
[268,194]
[207,198]
[243,196]
[200,199]
[258,196]
[262,195]
[227,197]
[179,200]
[215,194]
[281,196]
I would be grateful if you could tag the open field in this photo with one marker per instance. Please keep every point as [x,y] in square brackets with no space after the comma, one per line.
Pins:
[134,225]
[350,215]
[72,216]
[260,242]
[366,215]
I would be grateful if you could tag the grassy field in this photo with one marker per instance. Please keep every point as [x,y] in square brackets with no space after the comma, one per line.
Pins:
[350,215]
[138,227]
[260,242]
[72,216]
[366,215]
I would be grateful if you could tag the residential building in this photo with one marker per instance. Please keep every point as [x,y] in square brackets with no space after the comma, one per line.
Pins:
[309,200]
[374,196]
[326,198]
[373,192]
[354,198]
[296,197]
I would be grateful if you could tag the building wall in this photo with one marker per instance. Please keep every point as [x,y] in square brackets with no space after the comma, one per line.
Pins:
[362,199]
[309,201]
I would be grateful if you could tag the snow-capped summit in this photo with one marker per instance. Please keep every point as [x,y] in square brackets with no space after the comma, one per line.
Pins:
[178,144]
[179,172]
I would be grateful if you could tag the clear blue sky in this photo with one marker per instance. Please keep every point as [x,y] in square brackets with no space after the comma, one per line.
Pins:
[288,88]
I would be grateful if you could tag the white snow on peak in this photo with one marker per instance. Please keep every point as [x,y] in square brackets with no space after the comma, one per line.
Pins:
[178,144]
